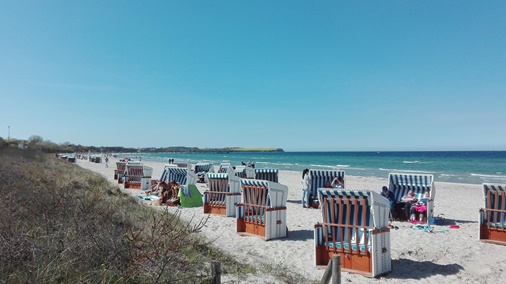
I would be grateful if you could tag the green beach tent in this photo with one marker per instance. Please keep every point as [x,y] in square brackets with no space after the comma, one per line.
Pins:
[190,196]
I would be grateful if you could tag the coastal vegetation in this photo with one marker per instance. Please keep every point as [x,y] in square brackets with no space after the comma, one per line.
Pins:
[37,142]
[60,223]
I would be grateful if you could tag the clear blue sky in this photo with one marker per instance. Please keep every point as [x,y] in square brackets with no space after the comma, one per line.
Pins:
[298,75]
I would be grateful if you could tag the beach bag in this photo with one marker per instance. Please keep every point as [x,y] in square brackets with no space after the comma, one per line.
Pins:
[438,220]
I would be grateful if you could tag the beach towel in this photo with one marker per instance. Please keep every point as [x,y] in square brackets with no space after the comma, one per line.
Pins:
[149,197]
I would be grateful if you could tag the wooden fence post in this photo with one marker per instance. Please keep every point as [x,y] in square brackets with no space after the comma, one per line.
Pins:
[327,274]
[216,272]
[336,269]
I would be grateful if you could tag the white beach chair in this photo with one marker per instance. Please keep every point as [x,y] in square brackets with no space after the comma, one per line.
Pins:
[183,176]
[401,183]
[262,211]
[354,226]
[223,194]
[318,179]
[493,215]
[225,167]
[138,176]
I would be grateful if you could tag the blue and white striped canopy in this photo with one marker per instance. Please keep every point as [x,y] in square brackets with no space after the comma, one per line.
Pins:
[217,175]
[266,170]
[255,182]
[203,167]
[410,180]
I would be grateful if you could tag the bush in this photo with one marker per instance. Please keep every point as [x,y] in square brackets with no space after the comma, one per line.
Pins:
[61,223]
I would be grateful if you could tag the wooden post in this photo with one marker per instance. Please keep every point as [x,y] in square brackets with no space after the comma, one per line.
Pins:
[327,274]
[216,272]
[336,269]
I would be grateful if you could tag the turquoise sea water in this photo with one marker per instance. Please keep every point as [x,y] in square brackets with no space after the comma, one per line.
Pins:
[473,167]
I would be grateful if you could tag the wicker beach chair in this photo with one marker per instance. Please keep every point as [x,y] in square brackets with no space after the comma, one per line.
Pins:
[244,172]
[493,215]
[401,183]
[225,167]
[138,176]
[119,172]
[263,209]
[203,168]
[223,194]
[240,171]
[267,174]
[183,176]
[319,178]
[355,226]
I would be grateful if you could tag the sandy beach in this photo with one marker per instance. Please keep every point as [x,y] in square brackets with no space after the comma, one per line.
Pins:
[445,256]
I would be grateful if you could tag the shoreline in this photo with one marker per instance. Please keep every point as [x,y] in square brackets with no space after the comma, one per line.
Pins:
[461,167]
[450,255]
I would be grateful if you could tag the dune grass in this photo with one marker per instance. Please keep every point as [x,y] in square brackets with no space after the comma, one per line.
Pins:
[60,223]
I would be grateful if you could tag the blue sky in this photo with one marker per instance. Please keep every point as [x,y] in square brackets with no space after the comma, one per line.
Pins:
[298,75]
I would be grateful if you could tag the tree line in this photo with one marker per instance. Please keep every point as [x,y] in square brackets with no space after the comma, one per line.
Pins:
[38,143]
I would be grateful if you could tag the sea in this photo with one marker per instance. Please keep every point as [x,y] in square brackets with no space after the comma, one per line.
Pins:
[474,167]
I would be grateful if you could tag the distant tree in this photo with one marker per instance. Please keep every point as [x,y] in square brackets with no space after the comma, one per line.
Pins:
[48,146]
[34,139]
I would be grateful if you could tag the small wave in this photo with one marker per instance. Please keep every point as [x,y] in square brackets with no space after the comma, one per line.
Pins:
[488,176]
[343,166]
[415,162]
[405,171]
[322,166]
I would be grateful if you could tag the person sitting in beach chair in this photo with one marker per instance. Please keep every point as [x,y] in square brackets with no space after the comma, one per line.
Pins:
[172,198]
[391,199]
[337,183]
[420,207]
[161,191]
[408,200]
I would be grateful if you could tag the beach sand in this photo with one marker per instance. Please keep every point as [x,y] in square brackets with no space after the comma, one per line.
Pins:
[452,256]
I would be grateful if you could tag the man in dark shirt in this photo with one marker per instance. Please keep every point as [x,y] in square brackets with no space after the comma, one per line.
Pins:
[391,198]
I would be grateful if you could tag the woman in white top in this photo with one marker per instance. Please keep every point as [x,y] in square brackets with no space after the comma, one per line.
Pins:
[306,188]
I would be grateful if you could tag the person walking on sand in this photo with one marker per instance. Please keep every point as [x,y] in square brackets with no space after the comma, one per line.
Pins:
[106,162]
[306,188]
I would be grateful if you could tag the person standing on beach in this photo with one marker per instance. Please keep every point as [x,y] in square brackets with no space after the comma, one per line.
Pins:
[106,162]
[306,188]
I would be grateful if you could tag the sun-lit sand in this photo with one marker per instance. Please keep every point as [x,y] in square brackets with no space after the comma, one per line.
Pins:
[445,256]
